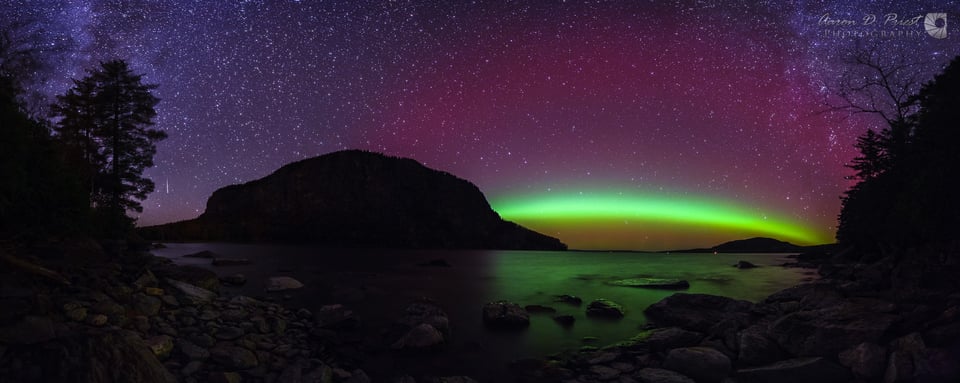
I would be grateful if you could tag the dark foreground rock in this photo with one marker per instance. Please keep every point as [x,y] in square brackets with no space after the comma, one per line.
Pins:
[505,315]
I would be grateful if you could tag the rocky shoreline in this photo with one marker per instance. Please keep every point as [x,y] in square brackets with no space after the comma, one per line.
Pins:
[896,319]
[73,314]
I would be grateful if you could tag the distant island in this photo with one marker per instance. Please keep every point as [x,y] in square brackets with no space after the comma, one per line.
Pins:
[355,198]
[751,245]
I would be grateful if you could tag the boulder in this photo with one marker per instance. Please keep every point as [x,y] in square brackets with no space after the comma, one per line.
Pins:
[867,360]
[193,275]
[505,315]
[703,364]
[659,375]
[190,293]
[697,312]
[653,283]
[603,308]
[423,336]
[160,345]
[799,370]
[282,283]
[827,331]
[756,348]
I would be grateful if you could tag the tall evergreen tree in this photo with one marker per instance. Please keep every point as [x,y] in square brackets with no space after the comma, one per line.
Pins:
[107,119]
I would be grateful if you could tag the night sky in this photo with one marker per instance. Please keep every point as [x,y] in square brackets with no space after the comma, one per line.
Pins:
[701,122]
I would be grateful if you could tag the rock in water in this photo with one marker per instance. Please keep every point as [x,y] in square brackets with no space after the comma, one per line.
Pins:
[282,283]
[703,364]
[357,198]
[570,299]
[602,308]
[538,309]
[424,336]
[505,315]
[653,283]
[744,265]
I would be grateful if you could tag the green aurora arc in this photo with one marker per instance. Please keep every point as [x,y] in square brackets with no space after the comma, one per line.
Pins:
[549,211]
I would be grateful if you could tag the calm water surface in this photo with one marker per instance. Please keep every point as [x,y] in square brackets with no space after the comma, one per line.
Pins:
[378,284]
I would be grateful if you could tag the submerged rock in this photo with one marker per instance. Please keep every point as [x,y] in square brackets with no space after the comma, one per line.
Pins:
[653,283]
[564,320]
[603,308]
[505,315]
[423,336]
[569,299]
[744,265]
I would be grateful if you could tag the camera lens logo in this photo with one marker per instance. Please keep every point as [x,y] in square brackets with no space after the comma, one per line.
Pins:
[931,21]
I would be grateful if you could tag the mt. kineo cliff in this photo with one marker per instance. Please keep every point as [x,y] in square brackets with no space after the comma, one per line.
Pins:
[355,198]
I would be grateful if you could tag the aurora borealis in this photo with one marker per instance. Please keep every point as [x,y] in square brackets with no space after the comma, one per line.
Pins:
[624,124]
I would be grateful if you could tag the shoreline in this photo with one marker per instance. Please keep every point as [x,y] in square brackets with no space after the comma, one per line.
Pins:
[134,302]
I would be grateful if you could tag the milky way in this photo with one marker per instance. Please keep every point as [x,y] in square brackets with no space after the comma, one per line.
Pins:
[684,101]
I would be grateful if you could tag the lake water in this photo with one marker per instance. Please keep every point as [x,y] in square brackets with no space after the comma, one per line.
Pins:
[378,284]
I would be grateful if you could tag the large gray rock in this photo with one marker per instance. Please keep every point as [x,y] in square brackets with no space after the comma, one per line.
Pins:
[659,375]
[505,315]
[827,331]
[192,294]
[193,275]
[603,308]
[703,364]
[697,312]
[421,337]
[799,370]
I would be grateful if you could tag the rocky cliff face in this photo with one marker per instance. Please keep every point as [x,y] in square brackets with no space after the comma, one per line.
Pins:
[356,198]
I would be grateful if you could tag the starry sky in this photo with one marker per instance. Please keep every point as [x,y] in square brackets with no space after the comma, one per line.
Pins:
[704,108]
